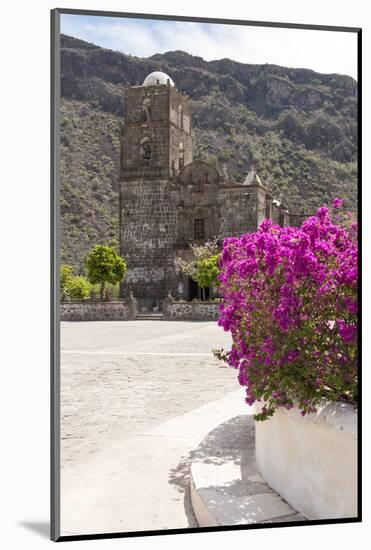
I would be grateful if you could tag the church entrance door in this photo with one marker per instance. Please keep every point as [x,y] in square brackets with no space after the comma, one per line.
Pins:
[195,292]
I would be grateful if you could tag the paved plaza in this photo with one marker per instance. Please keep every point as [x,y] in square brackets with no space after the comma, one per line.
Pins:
[136,396]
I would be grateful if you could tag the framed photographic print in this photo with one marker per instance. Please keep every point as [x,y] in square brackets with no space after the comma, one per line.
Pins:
[205,287]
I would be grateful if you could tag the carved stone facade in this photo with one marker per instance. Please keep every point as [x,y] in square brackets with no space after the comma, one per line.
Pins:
[168,201]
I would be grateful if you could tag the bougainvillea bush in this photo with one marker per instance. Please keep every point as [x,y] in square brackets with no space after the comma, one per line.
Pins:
[289,299]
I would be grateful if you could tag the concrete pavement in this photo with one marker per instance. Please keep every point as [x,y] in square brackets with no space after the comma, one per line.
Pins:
[141,402]
[119,381]
[142,483]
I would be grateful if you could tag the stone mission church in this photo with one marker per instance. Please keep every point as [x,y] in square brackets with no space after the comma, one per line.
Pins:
[169,201]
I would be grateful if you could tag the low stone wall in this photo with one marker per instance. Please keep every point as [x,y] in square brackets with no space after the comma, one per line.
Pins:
[190,311]
[97,311]
[311,461]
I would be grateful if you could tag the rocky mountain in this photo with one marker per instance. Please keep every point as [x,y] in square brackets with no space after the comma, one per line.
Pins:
[297,127]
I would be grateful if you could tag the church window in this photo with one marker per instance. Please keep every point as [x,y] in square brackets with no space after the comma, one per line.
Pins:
[180,116]
[146,109]
[199,229]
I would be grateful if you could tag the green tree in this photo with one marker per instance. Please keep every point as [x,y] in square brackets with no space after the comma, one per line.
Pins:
[104,265]
[207,271]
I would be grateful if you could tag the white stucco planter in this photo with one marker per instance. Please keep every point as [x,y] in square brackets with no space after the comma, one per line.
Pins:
[311,461]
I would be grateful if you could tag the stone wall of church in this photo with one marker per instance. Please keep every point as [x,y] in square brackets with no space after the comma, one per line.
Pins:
[145,133]
[156,142]
[238,209]
[148,237]
[180,110]
[180,136]
[297,219]
[198,186]
[136,108]
[180,149]
[261,205]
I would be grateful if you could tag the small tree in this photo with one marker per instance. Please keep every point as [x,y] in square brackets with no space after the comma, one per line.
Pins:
[104,265]
[207,271]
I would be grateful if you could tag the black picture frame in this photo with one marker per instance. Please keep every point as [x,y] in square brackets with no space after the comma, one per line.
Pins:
[55,264]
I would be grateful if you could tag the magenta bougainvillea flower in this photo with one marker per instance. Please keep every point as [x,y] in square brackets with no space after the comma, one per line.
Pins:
[289,299]
[337,203]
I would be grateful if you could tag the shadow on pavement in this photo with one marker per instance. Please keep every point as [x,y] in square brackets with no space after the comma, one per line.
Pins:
[220,446]
[42,528]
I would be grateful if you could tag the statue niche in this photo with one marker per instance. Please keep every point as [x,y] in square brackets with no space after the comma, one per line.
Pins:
[181,155]
[146,149]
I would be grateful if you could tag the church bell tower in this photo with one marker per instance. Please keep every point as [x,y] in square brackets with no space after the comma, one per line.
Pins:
[156,143]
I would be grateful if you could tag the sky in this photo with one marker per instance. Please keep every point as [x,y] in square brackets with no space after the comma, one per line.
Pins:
[321,51]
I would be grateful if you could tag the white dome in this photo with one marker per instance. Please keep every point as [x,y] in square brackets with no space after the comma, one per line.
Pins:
[157,79]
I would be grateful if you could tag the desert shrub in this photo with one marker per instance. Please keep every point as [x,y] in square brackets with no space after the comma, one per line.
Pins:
[289,299]
[212,159]
[322,130]
[290,123]
[73,287]
[66,274]
[224,155]
[78,288]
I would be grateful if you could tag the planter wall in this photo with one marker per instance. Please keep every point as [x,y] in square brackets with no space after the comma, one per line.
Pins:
[191,311]
[97,311]
[311,461]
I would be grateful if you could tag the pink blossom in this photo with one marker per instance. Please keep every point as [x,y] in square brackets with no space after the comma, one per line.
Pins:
[322,213]
[281,289]
[337,203]
[347,331]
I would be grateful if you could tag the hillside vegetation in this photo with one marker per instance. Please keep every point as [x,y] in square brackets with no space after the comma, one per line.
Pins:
[297,127]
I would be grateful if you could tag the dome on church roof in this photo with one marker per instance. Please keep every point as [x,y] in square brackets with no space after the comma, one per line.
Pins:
[157,78]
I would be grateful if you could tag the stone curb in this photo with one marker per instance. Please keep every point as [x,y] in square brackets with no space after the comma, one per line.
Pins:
[225,486]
